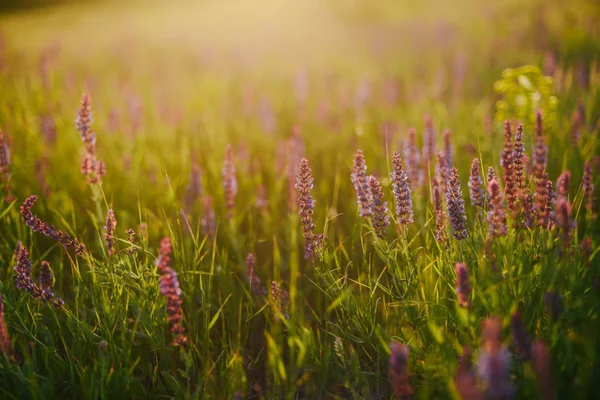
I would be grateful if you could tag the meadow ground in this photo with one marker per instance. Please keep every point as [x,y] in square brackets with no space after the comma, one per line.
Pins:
[301,200]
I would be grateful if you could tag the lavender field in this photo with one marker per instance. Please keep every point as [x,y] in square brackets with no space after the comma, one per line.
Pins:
[300,200]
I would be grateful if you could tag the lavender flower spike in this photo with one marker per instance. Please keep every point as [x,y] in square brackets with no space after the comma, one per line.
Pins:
[401,190]
[381,219]
[476,184]
[456,207]
[361,184]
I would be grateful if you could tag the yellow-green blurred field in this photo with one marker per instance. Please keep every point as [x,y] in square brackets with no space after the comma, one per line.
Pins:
[203,273]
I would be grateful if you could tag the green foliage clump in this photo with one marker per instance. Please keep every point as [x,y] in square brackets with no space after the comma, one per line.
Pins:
[524,91]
